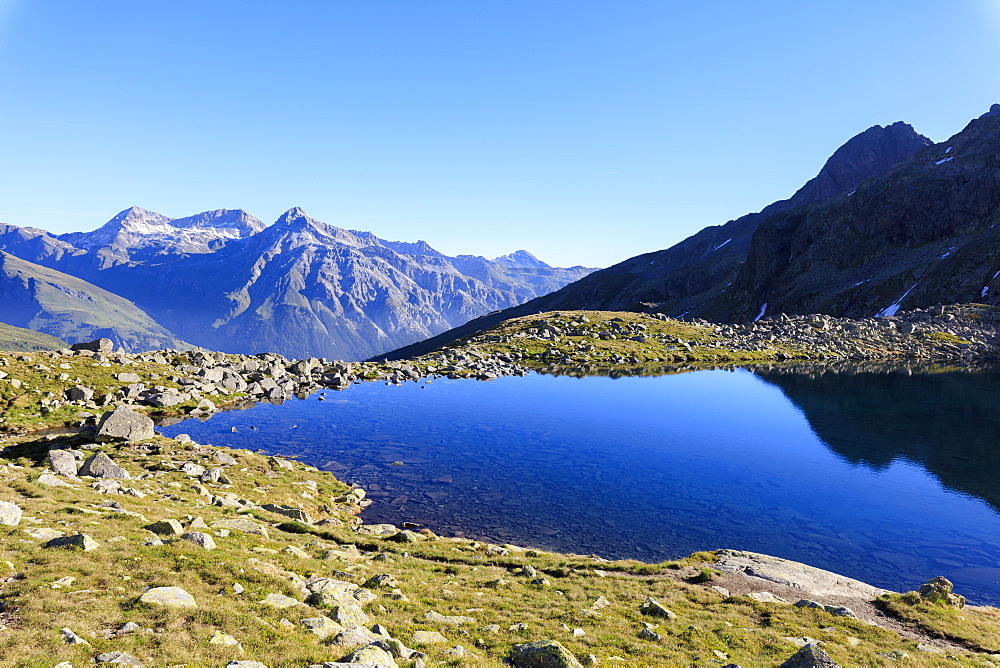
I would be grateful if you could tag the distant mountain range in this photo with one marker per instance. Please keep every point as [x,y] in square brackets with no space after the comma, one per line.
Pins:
[223,280]
[892,221]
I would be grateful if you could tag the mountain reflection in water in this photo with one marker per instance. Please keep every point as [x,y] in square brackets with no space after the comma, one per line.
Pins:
[852,469]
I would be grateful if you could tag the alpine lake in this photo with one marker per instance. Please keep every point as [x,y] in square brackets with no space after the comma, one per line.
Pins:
[887,474]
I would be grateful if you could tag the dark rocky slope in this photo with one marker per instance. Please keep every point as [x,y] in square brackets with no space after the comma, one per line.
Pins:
[922,233]
[680,279]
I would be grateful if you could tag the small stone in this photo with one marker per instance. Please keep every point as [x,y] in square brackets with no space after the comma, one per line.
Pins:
[766,597]
[381,581]
[654,609]
[246,664]
[224,639]
[542,654]
[50,480]
[123,658]
[10,514]
[72,639]
[171,597]
[427,638]
[449,620]
[126,628]
[279,601]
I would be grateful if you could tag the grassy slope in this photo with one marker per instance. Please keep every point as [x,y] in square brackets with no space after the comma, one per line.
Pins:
[73,308]
[27,340]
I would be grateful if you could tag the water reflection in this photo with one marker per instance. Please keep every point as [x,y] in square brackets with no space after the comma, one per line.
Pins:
[945,420]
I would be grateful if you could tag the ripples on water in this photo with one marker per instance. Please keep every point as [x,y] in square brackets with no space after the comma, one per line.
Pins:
[888,477]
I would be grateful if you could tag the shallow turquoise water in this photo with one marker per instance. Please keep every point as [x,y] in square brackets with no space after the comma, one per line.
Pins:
[886,477]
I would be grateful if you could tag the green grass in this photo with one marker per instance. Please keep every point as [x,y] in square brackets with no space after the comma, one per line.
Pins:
[18,339]
[975,628]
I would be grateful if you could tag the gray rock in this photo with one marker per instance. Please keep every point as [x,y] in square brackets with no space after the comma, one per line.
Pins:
[82,541]
[289,511]
[542,654]
[355,636]
[939,590]
[810,656]
[171,597]
[449,620]
[246,664]
[223,458]
[128,377]
[123,658]
[62,462]
[166,528]
[427,638]
[10,514]
[279,601]
[71,638]
[370,655]
[382,580]
[124,424]
[79,393]
[322,627]
[100,465]
[105,346]
[652,608]
[239,524]
[200,539]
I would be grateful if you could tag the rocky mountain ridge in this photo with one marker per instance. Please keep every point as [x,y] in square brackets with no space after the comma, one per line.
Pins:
[892,221]
[222,279]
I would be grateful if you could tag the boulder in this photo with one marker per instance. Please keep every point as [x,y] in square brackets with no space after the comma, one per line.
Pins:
[200,539]
[105,346]
[939,590]
[370,655]
[542,654]
[166,528]
[62,462]
[427,638]
[128,377]
[124,424]
[79,393]
[449,620]
[322,627]
[240,524]
[170,597]
[82,541]
[810,656]
[10,514]
[289,511]
[99,465]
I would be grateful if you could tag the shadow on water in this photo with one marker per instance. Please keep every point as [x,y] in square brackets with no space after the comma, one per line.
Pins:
[944,420]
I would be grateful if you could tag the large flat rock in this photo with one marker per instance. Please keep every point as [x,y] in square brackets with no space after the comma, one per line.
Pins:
[808,579]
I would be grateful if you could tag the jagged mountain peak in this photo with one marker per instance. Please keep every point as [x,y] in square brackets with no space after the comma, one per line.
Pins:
[522,258]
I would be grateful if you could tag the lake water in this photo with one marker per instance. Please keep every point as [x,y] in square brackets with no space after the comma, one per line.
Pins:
[891,477]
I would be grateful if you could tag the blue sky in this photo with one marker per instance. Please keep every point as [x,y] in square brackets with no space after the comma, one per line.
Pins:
[586,132]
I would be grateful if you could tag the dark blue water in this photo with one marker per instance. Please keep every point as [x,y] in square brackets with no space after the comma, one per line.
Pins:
[890,478]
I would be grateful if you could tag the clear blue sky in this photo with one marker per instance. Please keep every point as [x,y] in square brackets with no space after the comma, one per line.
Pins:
[585,132]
